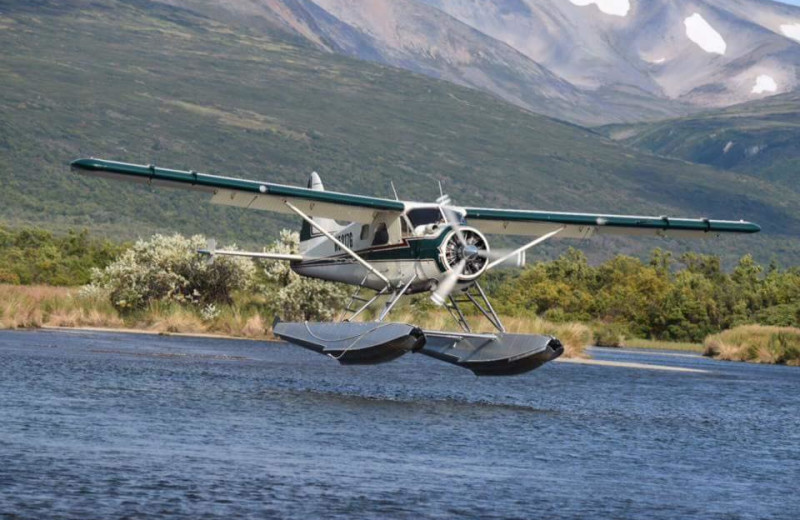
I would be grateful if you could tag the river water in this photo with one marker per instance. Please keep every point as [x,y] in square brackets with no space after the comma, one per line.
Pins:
[99,425]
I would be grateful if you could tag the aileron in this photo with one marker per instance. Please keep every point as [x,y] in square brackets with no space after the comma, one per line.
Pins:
[582,225]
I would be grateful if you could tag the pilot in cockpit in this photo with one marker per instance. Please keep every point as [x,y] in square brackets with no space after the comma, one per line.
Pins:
[427,220]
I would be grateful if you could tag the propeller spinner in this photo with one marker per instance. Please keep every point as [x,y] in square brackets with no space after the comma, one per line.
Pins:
[468,246]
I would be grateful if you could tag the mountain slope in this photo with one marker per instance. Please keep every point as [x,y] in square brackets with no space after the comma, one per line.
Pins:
[580,60]
[142,82]
[665,47]
[760,138]
[411,35]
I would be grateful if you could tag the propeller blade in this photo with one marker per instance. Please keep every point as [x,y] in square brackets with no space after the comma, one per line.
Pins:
[447,285]
[524,248]
[511,258]
[454,222]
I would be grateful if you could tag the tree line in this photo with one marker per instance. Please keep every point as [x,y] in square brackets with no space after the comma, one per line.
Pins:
[684,298]
[667,298]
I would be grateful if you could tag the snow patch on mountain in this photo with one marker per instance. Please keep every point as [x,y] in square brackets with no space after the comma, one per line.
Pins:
[706,37]
[613,7]
[653,60]
[764,83]
[791,30]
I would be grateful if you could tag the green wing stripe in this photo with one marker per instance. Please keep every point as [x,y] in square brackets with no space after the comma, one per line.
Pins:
[146,173]
[621,221]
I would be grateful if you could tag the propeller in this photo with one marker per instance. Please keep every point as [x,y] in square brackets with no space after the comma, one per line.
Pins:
[446,286]
[510,257]
[467,254]
[507,257]
[451,217]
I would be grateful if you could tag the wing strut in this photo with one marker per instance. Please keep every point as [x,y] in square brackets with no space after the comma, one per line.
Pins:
[339,243]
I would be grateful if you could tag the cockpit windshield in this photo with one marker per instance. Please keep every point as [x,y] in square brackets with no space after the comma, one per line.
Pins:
[432,215]
[424,216]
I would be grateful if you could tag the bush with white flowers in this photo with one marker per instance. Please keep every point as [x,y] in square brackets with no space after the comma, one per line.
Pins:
[168,268]
[295,297]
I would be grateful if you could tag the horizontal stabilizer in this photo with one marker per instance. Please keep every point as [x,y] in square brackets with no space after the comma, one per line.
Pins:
[250,254]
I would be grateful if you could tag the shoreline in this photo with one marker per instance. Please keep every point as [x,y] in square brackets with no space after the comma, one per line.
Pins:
[201,335]
[146,332]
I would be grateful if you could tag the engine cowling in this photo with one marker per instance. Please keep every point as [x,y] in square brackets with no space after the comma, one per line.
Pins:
[474,251]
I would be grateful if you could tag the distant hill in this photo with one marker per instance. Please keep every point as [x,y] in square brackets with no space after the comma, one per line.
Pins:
[143,82]
[760,138]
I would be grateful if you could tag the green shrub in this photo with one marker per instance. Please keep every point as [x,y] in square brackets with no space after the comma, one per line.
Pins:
[657,299]
[168,269]
[294,297]
[33,256]
[610,334]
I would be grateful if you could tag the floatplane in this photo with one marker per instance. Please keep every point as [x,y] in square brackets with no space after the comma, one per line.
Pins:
[389,249]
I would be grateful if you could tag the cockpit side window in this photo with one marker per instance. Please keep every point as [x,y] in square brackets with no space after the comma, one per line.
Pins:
[404,226]
[381,235]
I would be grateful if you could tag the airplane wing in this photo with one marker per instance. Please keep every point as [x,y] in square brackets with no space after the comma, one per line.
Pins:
[584,225]
[244,193]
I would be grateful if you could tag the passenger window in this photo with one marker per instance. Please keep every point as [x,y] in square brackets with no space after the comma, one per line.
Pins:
[381,235]
[365,232]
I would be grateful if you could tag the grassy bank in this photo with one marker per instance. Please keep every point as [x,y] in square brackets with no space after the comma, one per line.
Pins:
[757,344]
[663,345]
[44,306]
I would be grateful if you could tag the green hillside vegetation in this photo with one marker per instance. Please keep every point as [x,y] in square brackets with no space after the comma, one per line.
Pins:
[683,299]
[37,256]
[760,138]
[142,82]
[665,299]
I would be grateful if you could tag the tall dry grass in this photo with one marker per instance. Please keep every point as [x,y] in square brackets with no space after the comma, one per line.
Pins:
[45,306]
[21,307]
[241,323]
[756,344]
[37,306]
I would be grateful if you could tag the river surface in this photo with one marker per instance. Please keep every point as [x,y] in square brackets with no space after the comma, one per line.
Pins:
[101,425]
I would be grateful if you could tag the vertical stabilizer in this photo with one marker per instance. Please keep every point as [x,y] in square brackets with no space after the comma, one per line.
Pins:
[315,183]
[307,232]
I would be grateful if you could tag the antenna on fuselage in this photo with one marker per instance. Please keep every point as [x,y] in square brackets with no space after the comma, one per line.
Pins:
[391,183]
[441,191]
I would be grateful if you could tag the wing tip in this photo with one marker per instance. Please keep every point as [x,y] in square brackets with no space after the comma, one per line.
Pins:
[83,163]
[752,227]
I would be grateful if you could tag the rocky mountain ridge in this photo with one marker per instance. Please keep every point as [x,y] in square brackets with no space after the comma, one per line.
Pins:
[585,61]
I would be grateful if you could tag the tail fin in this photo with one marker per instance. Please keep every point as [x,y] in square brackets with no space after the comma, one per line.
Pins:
[307,232]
